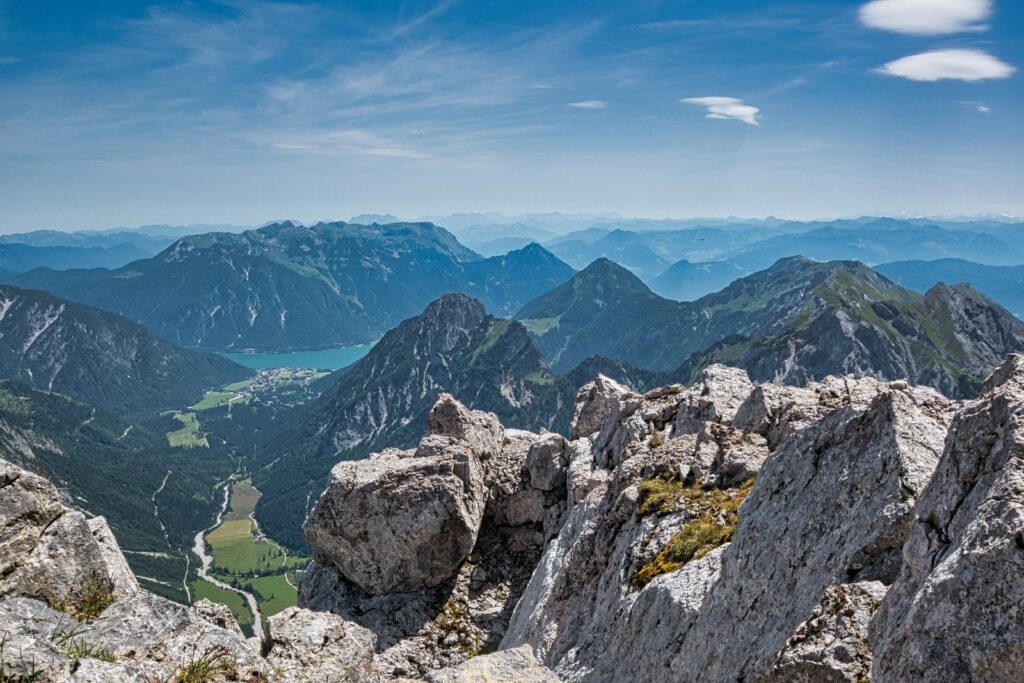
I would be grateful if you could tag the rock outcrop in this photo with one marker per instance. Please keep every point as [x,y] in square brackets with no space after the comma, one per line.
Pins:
[849,530]
[71,611]
[508,666]
[399,522]
[431,547]
[50,552]
[833,506]
[317,647]
[956,612]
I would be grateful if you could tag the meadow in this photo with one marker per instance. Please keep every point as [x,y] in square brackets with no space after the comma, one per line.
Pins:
[187,436]
[242,557]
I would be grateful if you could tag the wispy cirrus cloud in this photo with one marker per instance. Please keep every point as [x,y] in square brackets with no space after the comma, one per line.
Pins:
[589,104]
[954,64]
[726,108]
[927,17]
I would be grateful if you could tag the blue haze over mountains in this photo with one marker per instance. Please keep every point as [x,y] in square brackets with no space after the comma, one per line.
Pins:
[681,259]
[547,302]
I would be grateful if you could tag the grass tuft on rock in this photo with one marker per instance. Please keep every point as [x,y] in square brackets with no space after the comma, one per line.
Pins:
[715,522]
[207,667]
[88,602]
[69,639]
[659,496]
[23,672]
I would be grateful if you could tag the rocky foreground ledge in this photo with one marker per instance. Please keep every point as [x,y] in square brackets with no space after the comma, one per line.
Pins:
[71,611]
[851,530]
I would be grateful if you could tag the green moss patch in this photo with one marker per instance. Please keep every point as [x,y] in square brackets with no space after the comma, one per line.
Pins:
[715,521]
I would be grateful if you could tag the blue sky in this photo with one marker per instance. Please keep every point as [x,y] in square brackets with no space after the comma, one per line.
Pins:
[123,113]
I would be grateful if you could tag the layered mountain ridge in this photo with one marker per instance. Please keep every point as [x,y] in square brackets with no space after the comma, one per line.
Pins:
[288,286]
[797,321]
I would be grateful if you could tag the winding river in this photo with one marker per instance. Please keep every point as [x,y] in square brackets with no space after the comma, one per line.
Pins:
[199,548]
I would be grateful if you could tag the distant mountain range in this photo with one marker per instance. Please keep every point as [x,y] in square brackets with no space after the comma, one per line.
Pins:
[455,346]
[684,260]
[18,258]
[1004,284]
[686,281]
[796,321]
[292,287]
[881,241]
[149,238]
[100,358]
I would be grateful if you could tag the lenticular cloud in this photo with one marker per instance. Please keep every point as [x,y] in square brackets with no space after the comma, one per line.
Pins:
[940,65]
[927,17]
[727,108]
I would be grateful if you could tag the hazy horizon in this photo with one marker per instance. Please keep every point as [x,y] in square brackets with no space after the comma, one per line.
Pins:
[578,217]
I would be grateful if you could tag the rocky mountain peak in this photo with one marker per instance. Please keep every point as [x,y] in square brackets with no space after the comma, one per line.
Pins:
[718,532]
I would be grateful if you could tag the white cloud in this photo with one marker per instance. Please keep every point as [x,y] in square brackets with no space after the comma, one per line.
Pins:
[726,108]
[927,17]
[959,65]
[589,104]
[982,109]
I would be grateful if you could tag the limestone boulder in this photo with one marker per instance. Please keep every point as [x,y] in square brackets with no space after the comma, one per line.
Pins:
[715,397]
[517,665]
[51,552]
[595,402]
[956,612]
[318,647]
[398,524]
[547,462]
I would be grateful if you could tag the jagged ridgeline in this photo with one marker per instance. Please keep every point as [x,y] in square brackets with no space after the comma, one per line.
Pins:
[799,320]
[291,287]
[383,399]
[848,530]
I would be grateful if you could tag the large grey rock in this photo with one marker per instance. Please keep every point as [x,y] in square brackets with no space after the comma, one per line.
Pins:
[218,615]
[832,505]
[507,666]
[121,575]
[481,431]
[832,644]
[50,552]
[715,397]
[398,524]
[429,549]
[147,637]
[159,638]
[547,462]
[652,622]
[27,629]
[956,613]
[595,402]
[317,647]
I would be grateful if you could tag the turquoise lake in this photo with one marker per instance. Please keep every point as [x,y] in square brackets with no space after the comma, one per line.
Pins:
[325,359]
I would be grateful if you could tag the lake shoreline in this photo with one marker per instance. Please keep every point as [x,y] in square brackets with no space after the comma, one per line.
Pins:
[333,358]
